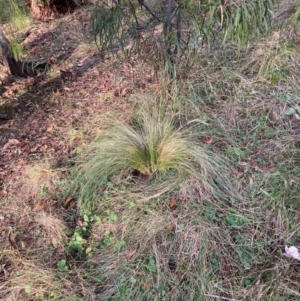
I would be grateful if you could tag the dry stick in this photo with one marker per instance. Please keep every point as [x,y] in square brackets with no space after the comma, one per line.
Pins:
[169,16]
[168,26]
[142,3]
[168,43]
[222,298]
[157,264]
[118,5]
[178,29]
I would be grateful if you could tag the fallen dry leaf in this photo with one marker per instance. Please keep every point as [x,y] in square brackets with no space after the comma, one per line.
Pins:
[251,181]
[256,168]
[130,254]
[170,226]
[22,162]
[60,250]
[54,242]
[39,207]
[67,201]
[11,237]
[23,245]
[34,149]
[214,201]
[79,223]
[5,272]
[208,141]
[49,129]
[172,202]
[101,189]
[11,142]
[3,193]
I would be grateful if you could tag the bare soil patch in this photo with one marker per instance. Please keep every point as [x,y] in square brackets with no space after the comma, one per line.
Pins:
[36,112]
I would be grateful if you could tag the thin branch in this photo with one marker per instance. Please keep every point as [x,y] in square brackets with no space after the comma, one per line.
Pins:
[142,3]
[169,16]
[118,5]
[178,30]
[222,298]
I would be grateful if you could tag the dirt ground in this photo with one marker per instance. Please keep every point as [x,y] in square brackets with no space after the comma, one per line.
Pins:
[36,113]
[46,120]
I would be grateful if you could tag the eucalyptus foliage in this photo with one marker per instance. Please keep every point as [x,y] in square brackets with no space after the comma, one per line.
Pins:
[172,28]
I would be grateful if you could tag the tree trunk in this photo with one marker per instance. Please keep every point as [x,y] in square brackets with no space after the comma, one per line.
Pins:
[15,67]
[49,9]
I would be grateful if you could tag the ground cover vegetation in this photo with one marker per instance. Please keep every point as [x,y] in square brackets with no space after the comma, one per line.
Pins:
[123,179]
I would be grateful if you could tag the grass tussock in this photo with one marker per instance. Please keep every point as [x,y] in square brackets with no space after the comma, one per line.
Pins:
[155,149]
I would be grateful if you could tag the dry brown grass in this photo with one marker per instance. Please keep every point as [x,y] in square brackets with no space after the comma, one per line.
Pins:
[25,280]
